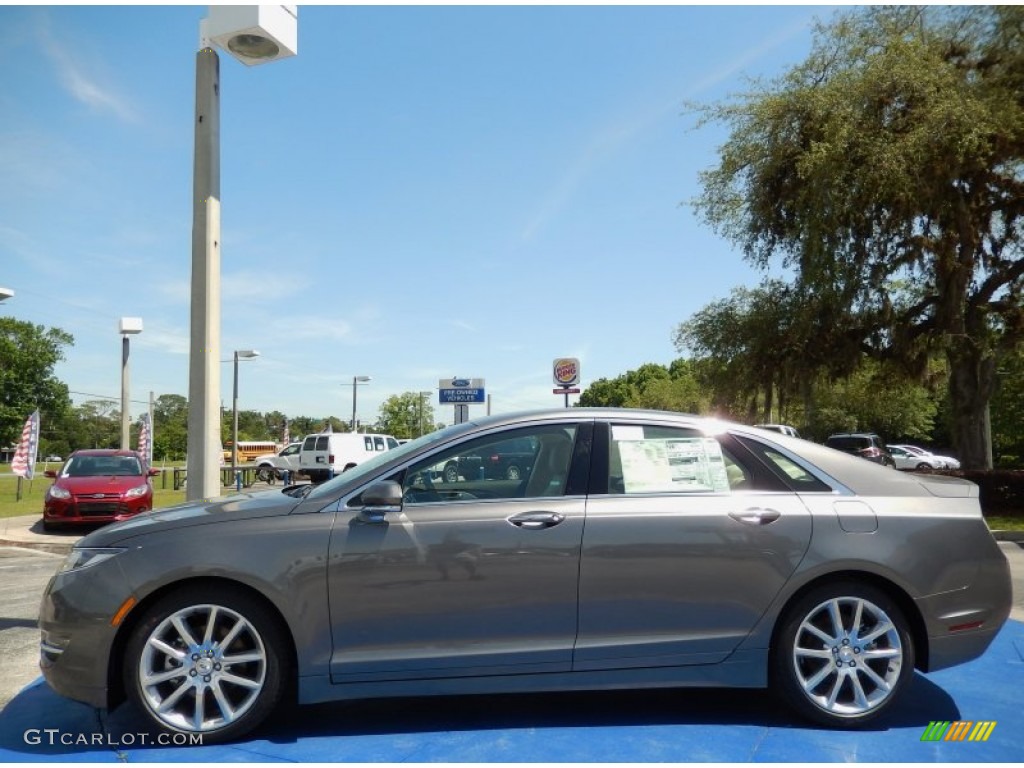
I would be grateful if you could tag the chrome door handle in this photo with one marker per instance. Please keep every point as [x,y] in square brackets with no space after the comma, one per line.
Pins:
[536,520]
[756,516]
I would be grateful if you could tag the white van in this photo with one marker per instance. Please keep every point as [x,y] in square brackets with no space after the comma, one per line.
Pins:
[331,453]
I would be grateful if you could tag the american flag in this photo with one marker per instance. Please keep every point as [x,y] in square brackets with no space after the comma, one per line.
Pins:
[145,439]
[24,462]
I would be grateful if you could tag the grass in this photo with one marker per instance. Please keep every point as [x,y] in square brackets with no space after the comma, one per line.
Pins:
[1003,523]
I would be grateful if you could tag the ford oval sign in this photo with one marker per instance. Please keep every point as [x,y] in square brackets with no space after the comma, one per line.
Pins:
[566,371]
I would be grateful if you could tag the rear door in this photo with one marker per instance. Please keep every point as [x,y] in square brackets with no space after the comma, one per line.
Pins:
[688,539]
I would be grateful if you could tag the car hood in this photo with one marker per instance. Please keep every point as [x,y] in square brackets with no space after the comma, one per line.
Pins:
[243,506]
[101,483]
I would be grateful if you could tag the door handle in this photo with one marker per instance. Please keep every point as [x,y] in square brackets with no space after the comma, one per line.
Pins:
[536,520]
[756,516]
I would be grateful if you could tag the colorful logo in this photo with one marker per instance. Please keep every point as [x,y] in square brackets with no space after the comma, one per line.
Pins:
[567,371]
[958,730]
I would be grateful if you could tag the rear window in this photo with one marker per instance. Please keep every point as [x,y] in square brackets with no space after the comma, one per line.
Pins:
[848,443]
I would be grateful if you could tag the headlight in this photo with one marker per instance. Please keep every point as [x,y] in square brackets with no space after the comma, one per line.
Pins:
[58,493]
[138,490]
[83,558]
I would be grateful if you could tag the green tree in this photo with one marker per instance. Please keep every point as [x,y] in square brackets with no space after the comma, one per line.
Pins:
[407,415]
[650,386]
[1008,413]
[28,354]
[893,155]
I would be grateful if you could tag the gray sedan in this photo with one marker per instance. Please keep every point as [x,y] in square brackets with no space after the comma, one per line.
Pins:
[642,549]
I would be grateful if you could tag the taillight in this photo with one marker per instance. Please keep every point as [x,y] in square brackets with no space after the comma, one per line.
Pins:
[871,453]
[495,459]
[330,459]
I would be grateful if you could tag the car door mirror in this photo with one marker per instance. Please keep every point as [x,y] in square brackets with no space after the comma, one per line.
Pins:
[379,499]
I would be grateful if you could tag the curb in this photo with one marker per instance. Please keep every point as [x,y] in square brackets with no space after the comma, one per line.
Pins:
[1008,535]
[54,548]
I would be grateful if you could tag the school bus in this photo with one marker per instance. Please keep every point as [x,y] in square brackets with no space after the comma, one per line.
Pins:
[248,450]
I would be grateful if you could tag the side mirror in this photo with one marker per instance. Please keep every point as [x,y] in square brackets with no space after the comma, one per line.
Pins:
[379,499]
[50,473]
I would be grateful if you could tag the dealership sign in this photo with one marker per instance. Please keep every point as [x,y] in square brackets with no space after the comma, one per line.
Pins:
[566,371]
[455,391]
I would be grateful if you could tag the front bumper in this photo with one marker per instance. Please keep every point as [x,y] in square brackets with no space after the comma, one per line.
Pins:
[76,632]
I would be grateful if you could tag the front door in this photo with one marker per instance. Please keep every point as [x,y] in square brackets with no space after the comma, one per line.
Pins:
[473,577]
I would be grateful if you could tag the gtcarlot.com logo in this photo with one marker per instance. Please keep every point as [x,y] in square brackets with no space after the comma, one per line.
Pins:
[958,730]
[53,737]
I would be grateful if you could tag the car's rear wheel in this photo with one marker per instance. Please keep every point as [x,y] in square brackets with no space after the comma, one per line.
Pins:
[843,655]
[207,661]
[451,473]
[512,473]
[266,474]
[924,465]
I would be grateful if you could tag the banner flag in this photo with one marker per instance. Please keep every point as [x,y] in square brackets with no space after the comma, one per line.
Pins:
[24,462]
[145,439]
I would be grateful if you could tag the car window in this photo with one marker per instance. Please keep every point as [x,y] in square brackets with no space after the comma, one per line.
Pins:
[322,442]
[291,450]
[656,459]
[489,468]
[378,444]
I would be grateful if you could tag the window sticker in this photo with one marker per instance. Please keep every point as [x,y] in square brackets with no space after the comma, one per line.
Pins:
[691,464]
[622,433]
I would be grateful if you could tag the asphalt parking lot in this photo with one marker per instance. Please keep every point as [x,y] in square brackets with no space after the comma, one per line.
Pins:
[36,725]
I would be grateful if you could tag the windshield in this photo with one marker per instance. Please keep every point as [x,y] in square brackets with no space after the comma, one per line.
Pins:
[94,466]
[369,466]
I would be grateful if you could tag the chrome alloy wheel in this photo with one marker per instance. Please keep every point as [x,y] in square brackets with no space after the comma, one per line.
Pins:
[847,656]
[202,668]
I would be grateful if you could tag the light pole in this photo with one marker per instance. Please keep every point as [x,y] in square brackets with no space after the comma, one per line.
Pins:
[253,35]
[356,380]
[128,326]
[240,354]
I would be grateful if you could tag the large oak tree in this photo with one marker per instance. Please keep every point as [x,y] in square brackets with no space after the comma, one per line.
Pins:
[886,172]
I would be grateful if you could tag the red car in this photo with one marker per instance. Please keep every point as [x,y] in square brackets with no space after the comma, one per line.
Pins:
[98,486]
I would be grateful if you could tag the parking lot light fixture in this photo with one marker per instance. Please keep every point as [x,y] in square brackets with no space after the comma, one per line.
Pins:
[252,34]
[240,354]
[128,326]
[356,380]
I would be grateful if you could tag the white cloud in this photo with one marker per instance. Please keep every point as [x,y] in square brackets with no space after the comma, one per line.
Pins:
[81,84]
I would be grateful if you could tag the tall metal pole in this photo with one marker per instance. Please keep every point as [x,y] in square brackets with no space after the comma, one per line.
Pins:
[234,421]
[353,426]
[125,442]
[204,354]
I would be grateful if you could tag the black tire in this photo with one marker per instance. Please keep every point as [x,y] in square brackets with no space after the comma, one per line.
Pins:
[924,466]
[266,474]
[451,472]
[512,473]
[199,693]
[854,677]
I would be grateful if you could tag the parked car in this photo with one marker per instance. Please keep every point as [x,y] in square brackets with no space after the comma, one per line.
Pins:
[271,466]
[97,486]
[644,549]
[330,453]
[56,459]
[925,457]
[783,429]
[867,445]
[504,460]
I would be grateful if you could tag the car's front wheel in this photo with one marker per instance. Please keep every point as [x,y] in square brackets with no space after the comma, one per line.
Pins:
[206,661]
[843,655]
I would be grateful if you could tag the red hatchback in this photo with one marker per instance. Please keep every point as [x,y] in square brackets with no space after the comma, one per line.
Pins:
[98,486]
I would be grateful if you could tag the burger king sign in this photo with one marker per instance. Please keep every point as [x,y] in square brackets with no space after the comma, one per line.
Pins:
[566,372]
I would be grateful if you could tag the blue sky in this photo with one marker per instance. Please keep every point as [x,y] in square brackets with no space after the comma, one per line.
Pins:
[423,192]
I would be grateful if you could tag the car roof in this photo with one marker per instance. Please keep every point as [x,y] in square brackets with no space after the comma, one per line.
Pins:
[105,452]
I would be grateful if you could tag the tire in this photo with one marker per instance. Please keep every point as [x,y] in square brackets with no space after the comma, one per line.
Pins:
[180,674]
[923,466]
[842,676]
[512,473]
[266,474]
[451,473]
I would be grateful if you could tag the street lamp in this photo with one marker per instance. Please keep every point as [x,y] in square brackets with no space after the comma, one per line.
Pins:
[253,35]
[240,354]
[355,381]
[129,326]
